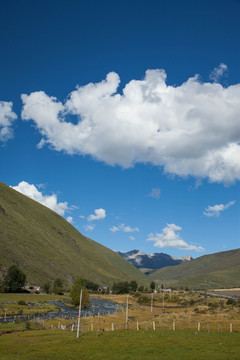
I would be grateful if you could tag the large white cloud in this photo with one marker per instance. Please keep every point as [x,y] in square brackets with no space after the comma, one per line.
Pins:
[214,211]
[170,237]
[7,116]
[191,129]
[49,201]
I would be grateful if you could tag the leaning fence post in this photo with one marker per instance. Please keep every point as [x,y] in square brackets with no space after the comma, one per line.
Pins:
[154,328]
[199,326]
[230,327]
[137,326]
[173,325]
[112,326]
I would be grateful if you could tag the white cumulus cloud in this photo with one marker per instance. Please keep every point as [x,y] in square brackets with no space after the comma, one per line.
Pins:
[214,211]
[49,201]
[99,214]
[170,237]
[190,129]
[7,116]
[124,228]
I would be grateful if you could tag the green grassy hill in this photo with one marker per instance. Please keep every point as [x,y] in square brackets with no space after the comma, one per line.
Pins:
[210,271]
[45,246]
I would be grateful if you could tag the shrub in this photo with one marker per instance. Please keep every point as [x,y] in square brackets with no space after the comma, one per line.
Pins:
[231,302]
[21,302]
[143,300]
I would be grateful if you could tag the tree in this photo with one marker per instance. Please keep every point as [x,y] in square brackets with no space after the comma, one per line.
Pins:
[46,287]
[14,280]
[90,285]
[133,285]
[141,288]
[152,285]
[121,287]
[75,293]
[58,286]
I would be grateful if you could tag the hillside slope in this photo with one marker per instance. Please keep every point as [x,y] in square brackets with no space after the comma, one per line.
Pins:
[209,271]
[45,246]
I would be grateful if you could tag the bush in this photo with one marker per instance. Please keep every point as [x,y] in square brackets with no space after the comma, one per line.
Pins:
[21,302]
[231,302]
[143,300]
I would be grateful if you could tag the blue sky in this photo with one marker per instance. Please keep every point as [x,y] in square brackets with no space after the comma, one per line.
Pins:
[123,116]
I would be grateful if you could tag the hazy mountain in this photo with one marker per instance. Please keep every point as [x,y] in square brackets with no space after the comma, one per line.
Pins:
[152,261]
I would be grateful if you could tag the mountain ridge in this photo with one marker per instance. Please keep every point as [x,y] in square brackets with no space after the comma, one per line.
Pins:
[152,261]
[45,246]
[216,270]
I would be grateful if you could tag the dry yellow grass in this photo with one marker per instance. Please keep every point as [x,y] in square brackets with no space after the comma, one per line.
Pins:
[212,314]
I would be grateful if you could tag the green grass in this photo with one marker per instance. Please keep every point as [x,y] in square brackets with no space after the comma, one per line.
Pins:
[209,271]
[45,246]
[142,345]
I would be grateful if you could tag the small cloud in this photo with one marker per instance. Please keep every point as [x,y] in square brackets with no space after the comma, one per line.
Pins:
[114,229]
[124,228]
[155,193]
[170,237]
[100,214]
[198,183]
[7,116]
[82,217]
[214,211]
[89,227]
[218,72]
[132,238]
[70,219]
[49,201]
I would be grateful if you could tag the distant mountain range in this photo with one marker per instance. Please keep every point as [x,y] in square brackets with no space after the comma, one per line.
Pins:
[148,262]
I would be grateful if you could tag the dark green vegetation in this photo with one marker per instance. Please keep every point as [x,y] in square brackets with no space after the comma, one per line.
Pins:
[76,289]
[142,345]
[14,280]
[124,287]
[46,247]
[210,271]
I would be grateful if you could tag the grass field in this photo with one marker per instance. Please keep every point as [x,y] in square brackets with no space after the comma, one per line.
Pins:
[141,345]
[42,339]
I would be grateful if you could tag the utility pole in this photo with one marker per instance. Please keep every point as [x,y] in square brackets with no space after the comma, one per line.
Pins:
[127,311]
[79,313]
[152,303]
[163,299]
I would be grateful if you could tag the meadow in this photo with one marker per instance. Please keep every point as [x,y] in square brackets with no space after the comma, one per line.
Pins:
[168,332]
[64,345]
